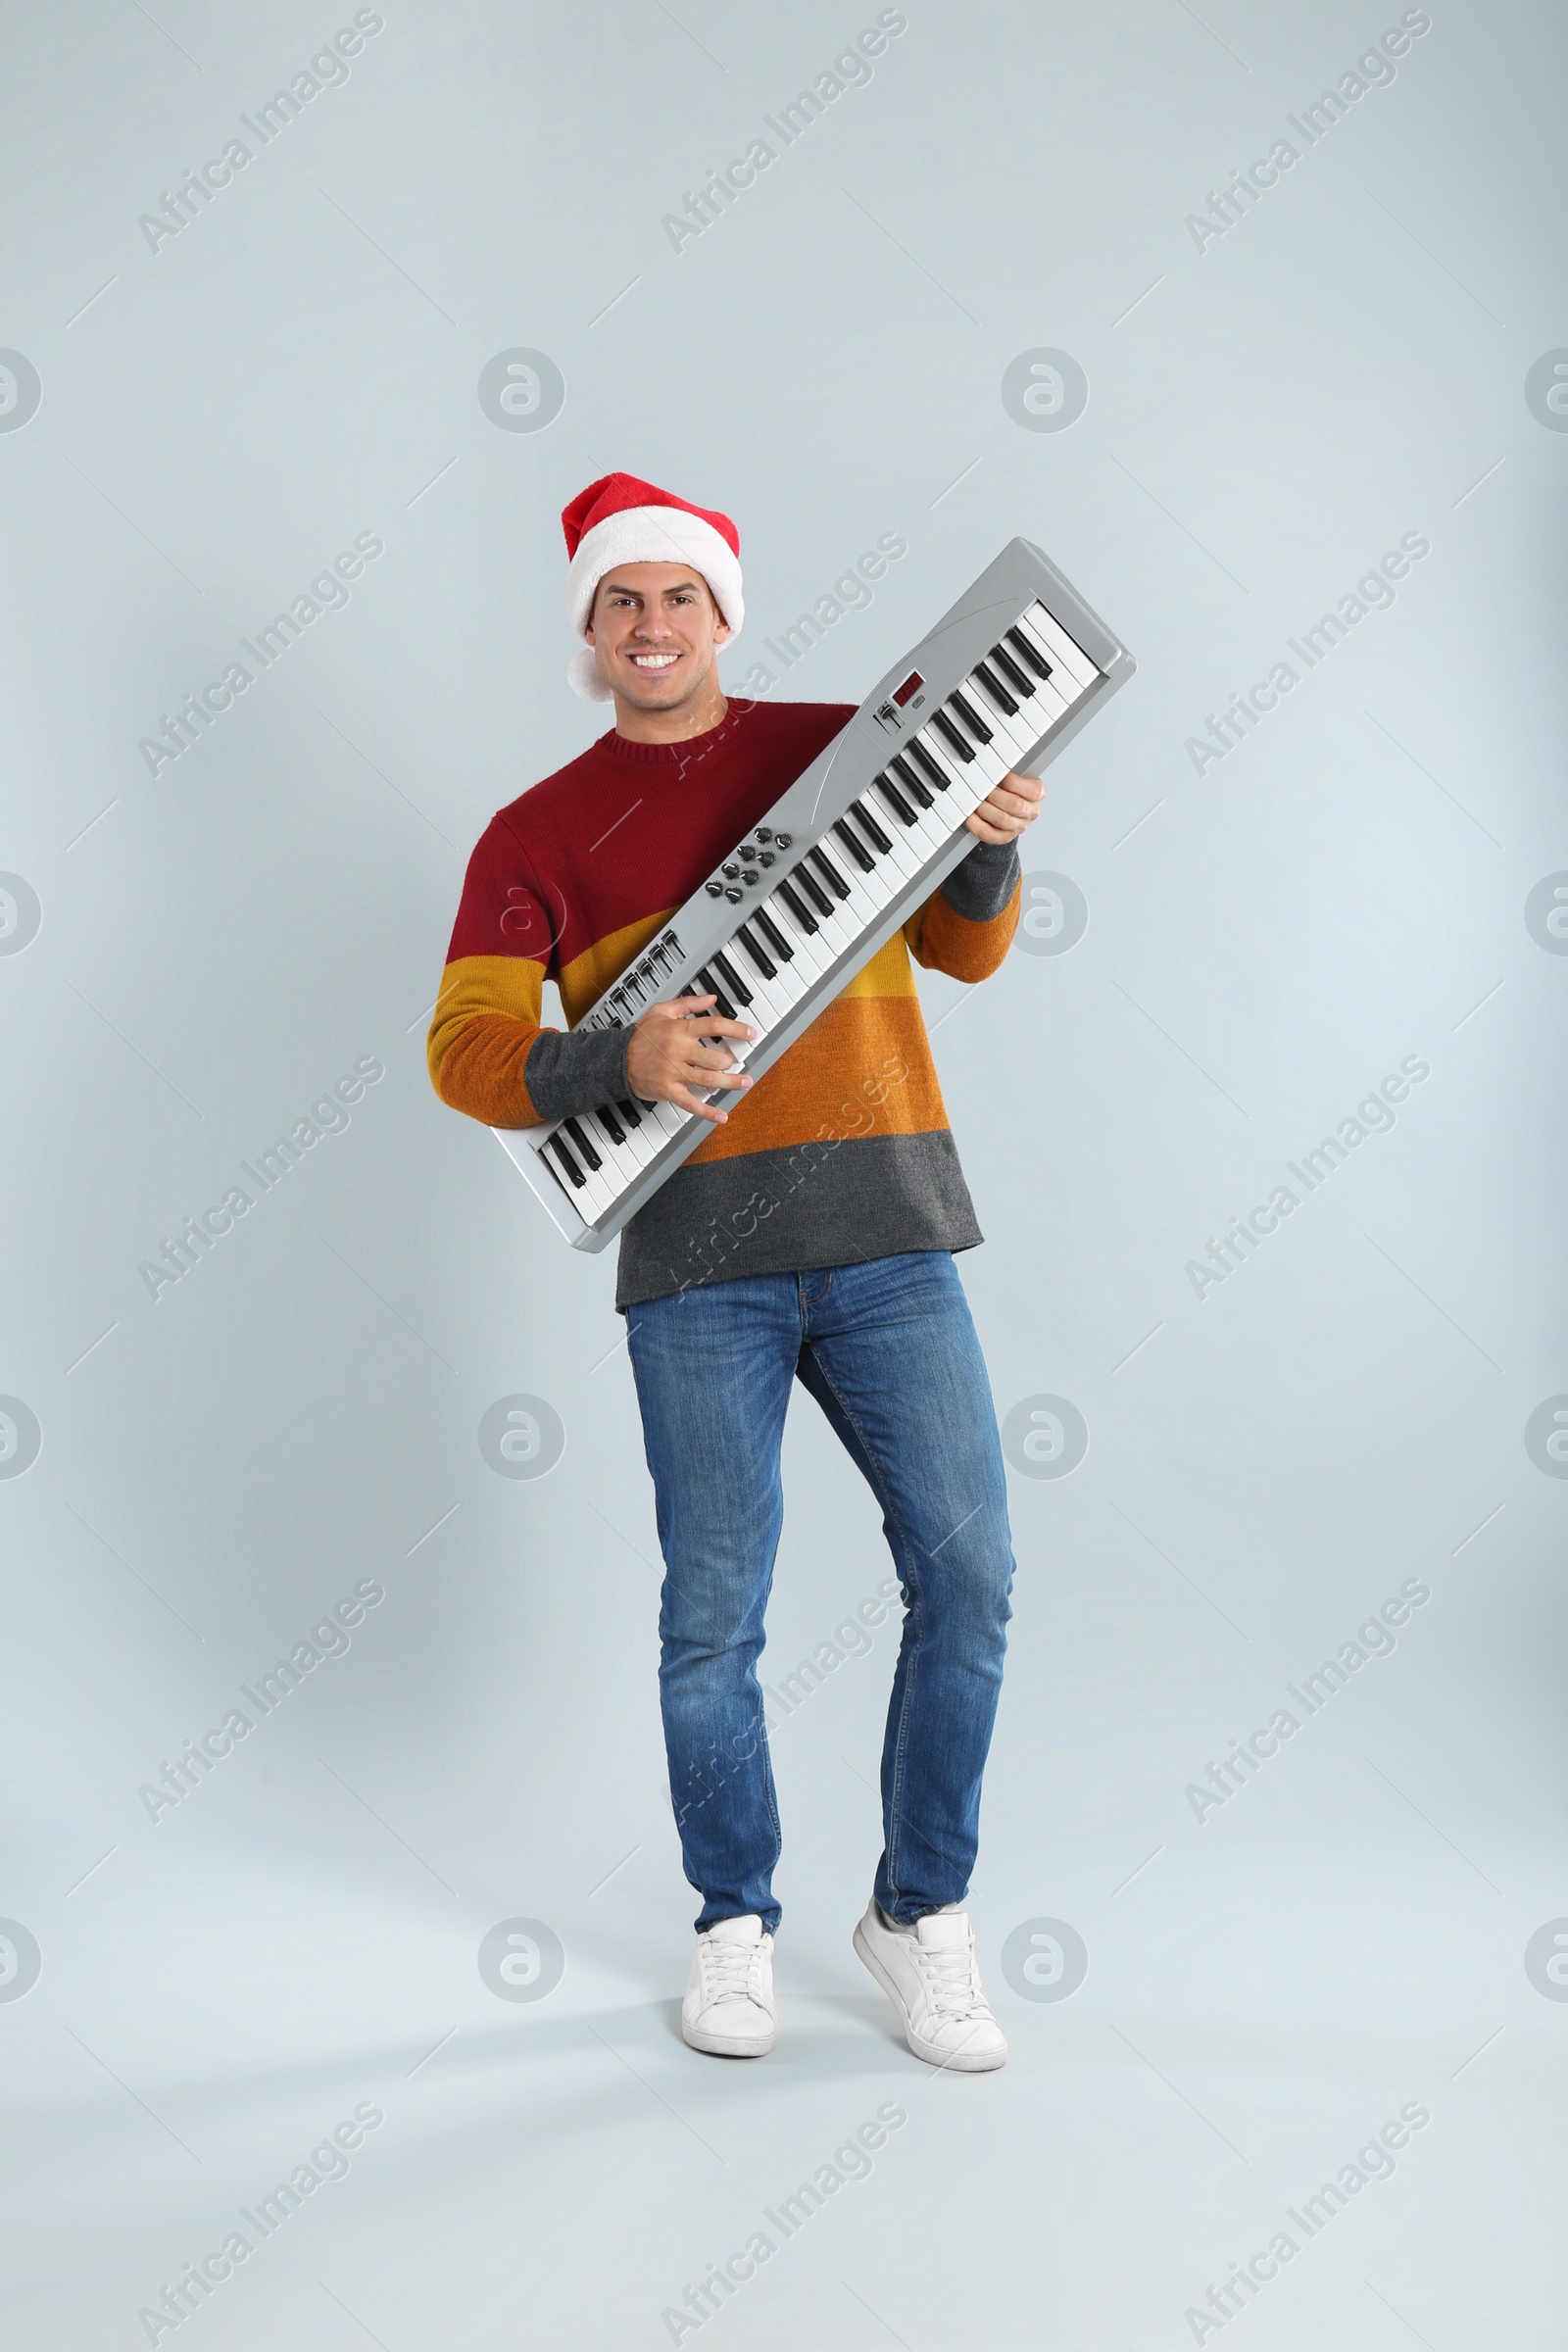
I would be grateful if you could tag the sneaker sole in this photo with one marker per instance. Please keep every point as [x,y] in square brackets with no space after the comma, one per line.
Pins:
[959,2062]
[726,2045]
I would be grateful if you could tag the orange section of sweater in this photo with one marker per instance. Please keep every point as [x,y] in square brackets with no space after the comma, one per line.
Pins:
[872,1034]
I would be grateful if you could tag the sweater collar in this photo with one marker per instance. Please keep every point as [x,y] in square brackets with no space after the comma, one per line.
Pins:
[620,748]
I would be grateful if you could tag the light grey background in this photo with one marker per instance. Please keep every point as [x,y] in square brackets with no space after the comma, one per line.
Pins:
[1266,940]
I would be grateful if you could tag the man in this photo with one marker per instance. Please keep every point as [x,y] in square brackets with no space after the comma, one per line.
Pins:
[809,1238]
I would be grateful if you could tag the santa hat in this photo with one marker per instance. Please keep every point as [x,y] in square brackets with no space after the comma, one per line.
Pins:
[619,519]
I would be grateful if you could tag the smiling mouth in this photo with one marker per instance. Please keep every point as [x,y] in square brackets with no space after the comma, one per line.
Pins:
[652,662]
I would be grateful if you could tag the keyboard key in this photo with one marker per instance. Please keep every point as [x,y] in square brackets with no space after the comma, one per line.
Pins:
[730,979]
[757,954]
[873,831]
[773,935]
[811,956]
[574,1173]
[863,898]
[770,1000]
[855,847]
[970,717]
[1055,640]
[895,800]
[1000,660]
[573,1128]
[988,678]
[968,786]
[1029,653]
[707,986]
[942,726]
[898,853]
[916,753]
[803,914]
[910,780]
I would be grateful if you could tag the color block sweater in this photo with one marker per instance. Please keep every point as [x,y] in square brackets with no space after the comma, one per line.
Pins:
[841,1152]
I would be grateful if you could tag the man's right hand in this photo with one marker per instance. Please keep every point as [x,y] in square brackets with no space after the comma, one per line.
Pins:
[667,1056]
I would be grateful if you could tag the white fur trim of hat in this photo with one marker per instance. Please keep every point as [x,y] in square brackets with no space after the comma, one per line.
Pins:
[608,529]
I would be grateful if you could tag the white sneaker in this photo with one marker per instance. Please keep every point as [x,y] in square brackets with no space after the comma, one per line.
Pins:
[931,1976]
[728,2010]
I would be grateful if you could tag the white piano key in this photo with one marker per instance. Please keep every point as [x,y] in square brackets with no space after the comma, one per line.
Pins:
[1011,738]
[598,1195]
[1061,680]
[639,1147]
[905,857]
[934,827]
[615,1169]
[969,783]
[1048,705]
[797,970]
[1017,733]
[767,1007]
[840,937]
[1059,647]
[863,906]
[774,994]
[951,805]
[825,943]
[806,951]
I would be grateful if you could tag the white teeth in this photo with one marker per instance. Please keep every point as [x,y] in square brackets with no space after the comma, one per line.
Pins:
[653,660]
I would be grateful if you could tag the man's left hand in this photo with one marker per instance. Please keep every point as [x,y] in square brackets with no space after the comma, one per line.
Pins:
[1007,809]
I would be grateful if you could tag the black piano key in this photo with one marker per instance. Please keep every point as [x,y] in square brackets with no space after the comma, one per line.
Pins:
[801,912]
[999,658]
[574,1174]
[707,986]
[901,767]
[729,979]
[628,1111]
[578,1136]
[994,688]
[856,849]
[757,954]
[830,873]
[951,736]
[919,757]
[881,841]
[1029,655]
[896,800]
[773,935]
[807,882]
[970,717]
[610,1124]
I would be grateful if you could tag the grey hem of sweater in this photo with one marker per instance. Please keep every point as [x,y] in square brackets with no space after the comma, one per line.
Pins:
[783,1212]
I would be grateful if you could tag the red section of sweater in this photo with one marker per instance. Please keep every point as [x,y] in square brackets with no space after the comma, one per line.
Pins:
[628,829]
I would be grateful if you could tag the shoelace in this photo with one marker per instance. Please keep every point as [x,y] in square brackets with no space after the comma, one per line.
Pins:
[952,1977]
[727,1969]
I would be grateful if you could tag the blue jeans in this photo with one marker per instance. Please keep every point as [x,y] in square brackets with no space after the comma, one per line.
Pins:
[890,1353]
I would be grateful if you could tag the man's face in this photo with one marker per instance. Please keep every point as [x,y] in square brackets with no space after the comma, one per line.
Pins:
[655,631]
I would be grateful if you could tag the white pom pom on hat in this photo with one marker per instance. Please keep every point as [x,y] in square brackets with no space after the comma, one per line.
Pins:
[619,519]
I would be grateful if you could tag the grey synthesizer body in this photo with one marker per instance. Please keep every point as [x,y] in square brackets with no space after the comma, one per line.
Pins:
[844,857]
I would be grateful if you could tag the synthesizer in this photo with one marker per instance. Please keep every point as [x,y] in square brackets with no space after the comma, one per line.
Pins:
[843,859]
